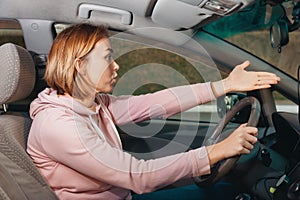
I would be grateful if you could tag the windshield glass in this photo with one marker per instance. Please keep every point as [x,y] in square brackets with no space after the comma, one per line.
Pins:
[249,29]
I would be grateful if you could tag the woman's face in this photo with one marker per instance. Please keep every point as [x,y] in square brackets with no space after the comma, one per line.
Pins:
[101,67]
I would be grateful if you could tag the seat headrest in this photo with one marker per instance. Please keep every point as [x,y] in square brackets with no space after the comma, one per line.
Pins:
[17,73]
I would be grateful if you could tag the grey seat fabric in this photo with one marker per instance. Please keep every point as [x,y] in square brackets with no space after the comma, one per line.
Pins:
[3,194]
[19,178]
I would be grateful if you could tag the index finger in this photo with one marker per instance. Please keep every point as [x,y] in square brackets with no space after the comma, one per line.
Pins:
[267,75]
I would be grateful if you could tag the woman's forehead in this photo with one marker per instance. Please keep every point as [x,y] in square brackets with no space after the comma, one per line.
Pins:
[103,44]
[101,47]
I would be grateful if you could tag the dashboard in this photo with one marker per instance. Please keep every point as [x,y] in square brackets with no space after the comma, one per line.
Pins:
[272,171]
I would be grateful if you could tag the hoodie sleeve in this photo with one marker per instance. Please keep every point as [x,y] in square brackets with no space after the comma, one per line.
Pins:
[70,141]
[161,104]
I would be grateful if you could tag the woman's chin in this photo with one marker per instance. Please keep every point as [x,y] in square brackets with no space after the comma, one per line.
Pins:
[105,90]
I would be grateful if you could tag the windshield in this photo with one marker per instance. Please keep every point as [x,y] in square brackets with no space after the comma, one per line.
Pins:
[250,30]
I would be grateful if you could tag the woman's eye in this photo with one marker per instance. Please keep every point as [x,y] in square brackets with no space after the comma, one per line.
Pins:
[109,58]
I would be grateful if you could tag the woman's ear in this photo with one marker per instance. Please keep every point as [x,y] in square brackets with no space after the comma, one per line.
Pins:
[79,66]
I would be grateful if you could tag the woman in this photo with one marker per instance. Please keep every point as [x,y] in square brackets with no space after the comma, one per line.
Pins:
[73,139]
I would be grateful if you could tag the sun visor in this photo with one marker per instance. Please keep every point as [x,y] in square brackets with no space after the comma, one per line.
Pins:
[186,14]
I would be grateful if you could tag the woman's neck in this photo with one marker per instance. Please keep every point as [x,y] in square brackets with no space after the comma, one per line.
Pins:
[88,101]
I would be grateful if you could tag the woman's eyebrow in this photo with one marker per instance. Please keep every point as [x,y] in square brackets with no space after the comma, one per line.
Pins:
[110,50]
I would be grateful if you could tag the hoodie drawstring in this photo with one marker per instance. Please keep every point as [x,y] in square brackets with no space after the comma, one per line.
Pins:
[96,127]
[108,116]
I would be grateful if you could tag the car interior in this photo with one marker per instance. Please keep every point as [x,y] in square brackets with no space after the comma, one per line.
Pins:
[187,33]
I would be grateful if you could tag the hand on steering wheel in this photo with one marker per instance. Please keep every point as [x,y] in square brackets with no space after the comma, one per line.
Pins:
[220,169]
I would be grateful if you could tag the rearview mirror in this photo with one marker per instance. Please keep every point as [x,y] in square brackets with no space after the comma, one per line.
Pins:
[279,34]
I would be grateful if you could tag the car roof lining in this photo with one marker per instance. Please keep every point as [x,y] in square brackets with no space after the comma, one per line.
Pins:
[172,14]
[172,17]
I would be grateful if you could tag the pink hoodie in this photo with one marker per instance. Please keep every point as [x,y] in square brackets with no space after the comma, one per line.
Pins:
[79,152]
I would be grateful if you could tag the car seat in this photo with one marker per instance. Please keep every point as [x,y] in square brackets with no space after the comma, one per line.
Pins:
[19,178]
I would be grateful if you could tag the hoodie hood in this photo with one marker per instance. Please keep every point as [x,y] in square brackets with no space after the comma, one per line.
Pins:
[49,98]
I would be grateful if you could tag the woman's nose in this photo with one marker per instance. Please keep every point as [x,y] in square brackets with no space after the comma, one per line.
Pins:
[116,67]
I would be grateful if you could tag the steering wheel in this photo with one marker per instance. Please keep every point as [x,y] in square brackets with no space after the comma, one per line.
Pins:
[219,170]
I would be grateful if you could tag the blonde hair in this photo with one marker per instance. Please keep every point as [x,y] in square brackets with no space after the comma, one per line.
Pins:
[75,42]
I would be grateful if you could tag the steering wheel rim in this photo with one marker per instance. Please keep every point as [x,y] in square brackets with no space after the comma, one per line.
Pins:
[219,170]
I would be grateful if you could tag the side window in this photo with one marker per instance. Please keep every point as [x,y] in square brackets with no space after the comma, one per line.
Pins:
[11,31]
[156,69]
[60,27]
[148,68]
